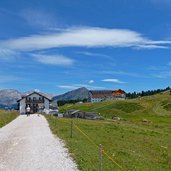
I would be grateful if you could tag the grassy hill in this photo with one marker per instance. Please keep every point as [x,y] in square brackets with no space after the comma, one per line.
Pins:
[150,107]
[134,144]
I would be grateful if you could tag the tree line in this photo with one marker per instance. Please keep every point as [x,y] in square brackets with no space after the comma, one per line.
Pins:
[146,93]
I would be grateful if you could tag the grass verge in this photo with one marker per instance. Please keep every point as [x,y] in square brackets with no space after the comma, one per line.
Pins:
[6,117]
[134,146]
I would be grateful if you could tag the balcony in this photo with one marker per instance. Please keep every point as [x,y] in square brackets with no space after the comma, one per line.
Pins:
[34,101]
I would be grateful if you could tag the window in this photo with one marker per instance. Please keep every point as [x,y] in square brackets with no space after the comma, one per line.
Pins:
[29,98]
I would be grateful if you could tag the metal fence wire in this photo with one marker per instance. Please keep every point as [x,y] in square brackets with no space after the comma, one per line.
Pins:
[99,147]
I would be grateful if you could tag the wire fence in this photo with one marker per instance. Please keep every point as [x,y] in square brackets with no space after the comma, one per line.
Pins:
[73,126]
[97,146]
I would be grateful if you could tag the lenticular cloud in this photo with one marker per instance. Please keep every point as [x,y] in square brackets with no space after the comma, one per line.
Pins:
[83,37]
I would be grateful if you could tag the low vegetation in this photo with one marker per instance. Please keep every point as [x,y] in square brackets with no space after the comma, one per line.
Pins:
[133,109]
[139,141]
[166,104]
[6,117]
[63,102]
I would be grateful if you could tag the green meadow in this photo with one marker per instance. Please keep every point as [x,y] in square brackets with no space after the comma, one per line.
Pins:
[6,117]
[140,141]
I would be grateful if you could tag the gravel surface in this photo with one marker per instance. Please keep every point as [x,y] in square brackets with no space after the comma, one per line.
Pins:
[27,144]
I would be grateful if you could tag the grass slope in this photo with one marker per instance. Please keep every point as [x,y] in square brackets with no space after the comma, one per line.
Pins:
[154,107]
[6,117]
[134,144]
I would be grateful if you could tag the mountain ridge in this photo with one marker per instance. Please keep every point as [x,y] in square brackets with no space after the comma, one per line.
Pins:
[9,97]
[77,94]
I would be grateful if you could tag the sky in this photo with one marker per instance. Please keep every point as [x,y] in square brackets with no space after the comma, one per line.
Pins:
[59,45]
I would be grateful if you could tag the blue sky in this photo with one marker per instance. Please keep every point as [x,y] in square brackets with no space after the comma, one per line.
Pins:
[59,45]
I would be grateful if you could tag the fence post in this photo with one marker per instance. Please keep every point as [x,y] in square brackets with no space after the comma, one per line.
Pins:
[71,128]
[100,156]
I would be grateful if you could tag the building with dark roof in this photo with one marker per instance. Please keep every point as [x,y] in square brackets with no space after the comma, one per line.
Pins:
[35,101]
[101,95]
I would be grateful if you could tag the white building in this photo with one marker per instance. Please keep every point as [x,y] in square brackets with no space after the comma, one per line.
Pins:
[101,95]
[37,102]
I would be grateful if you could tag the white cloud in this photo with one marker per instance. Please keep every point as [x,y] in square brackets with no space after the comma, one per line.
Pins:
[164,74]
[7,54]
[157,68]
[91,81]
[121,73]
[151,47]
[113,80]
[53,60]
[75,86]
[67,86]
[83,37]
[38,18]
[94,54]
[7,78]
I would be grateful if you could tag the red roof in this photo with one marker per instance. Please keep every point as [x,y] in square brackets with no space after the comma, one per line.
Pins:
[118,92]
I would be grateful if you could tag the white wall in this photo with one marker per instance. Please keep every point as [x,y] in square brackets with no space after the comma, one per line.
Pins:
[93,100]
[46,104]
[122,97]
[22,106]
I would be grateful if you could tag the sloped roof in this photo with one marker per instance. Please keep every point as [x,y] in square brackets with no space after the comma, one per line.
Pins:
[106,93]
[118,92]
[32,92]
[100,91]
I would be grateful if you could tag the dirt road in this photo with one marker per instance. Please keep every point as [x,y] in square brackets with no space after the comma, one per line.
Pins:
[27,144]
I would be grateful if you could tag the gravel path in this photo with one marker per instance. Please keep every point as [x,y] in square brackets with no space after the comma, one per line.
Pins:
[27,144]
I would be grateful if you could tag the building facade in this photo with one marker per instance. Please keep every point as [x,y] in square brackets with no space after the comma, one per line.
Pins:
[101,95]
[37,102]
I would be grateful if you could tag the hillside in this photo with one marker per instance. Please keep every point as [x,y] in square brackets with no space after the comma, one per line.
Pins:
[139,141]
[136,109]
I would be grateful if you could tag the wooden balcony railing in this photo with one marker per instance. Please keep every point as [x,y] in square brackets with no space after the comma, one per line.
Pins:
[34,101]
